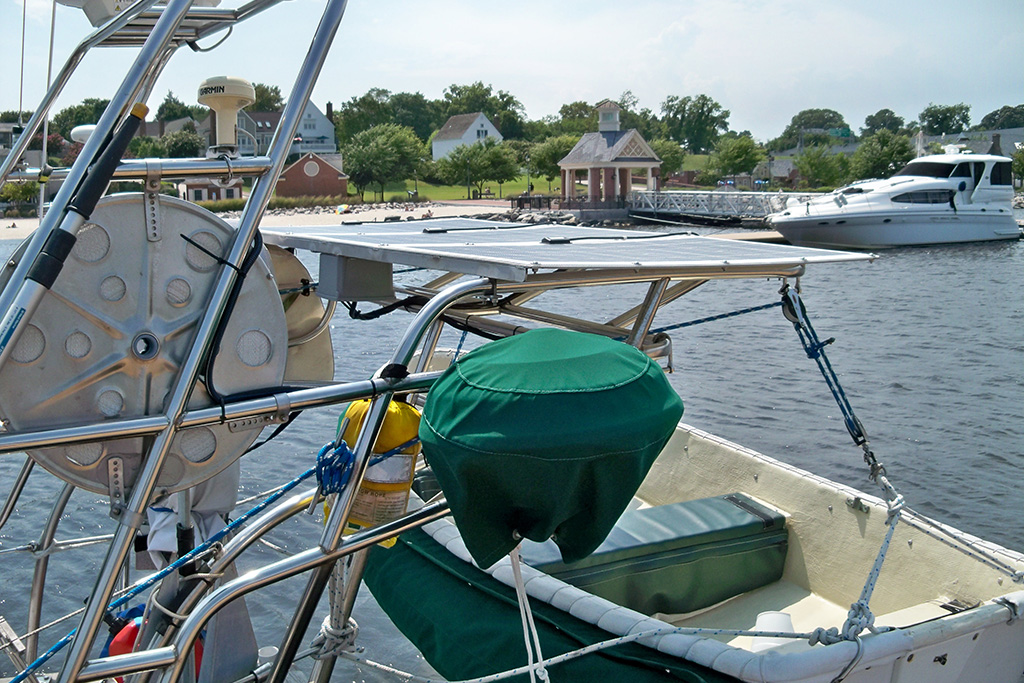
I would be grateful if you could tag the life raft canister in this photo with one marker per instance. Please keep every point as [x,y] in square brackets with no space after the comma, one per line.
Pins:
[384,493]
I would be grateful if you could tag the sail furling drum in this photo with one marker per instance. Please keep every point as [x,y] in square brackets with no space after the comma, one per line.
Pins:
[107,341]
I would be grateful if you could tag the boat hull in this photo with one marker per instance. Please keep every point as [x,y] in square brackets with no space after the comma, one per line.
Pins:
[958,628]
[879,231]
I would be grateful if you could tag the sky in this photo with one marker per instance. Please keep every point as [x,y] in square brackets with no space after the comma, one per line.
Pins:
[762,61]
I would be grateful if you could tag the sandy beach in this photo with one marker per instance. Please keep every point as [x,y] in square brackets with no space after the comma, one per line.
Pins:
[20,228]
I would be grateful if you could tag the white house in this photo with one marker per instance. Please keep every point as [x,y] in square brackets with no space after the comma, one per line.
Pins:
[463,129]
[315,133]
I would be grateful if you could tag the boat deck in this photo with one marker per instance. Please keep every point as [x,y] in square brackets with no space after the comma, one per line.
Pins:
[807,609]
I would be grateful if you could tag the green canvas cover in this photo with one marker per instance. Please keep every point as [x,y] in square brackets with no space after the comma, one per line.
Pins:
[545,434]
[467,623]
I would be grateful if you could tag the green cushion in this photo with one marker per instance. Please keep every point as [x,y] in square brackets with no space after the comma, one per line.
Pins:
[547,433]
[678,558]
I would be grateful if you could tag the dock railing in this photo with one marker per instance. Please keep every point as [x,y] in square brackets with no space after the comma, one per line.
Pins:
[713,203]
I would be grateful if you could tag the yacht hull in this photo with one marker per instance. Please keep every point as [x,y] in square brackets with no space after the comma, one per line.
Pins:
[877,231]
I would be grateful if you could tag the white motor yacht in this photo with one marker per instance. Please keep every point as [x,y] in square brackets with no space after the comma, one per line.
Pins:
[938,199]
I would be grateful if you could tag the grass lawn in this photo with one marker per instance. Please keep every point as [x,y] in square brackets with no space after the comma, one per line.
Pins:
[398,192]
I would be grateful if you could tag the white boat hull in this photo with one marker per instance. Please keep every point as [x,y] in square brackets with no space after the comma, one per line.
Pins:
[953,617]
[876,231]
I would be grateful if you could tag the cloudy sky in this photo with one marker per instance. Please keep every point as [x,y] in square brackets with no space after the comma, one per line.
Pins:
[763,61]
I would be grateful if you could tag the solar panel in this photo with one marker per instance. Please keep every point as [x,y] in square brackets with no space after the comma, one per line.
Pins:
[511,251]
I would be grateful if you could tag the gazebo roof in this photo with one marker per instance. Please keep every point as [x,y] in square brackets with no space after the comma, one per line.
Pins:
[611,148]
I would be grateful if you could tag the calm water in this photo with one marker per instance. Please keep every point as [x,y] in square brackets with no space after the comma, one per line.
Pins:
[929,347]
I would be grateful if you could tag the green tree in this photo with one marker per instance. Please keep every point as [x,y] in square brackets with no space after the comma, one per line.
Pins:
[383,154]
[671,154]
[1004,117]
[633,116]
[577,118]
[735,155]
[546,155]
[13,116]
[881,155]
[809,127]
[503,109]
[1018,163]
[268,98]
[145,147]
[19,193]
[415,111]
[183,143]
[172,109]
[502,163]
[938,119]
[478,164]
[883,119]
[89,111]
[818,167]
[363,113]
[696,122]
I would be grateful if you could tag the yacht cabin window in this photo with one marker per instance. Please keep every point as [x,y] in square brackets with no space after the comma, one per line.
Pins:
[1002,173]
[925,197]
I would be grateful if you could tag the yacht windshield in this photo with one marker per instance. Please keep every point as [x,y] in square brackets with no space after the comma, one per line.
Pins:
[928,169]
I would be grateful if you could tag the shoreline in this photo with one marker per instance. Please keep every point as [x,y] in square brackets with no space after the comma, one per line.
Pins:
[21,228]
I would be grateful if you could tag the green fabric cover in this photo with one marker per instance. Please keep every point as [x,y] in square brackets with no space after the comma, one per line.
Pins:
[547,433]
[467,623]
[677,558]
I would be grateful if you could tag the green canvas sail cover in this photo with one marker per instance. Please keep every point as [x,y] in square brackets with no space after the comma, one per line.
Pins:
[545,434]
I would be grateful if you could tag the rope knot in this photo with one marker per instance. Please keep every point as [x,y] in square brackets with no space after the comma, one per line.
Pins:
[858,619]
[331,642]
[334,467]
[825,636]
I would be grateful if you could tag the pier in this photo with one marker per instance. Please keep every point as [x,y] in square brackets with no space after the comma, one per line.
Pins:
[713,206]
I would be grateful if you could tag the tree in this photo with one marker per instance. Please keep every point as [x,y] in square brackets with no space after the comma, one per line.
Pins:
[183,143]
[89,111]
[735,155]
[172,109]
[577,118]
[502,163]
[383,154]
[1004,117]
[883,119]
[268,98]
[145,147]
[818,167]
[643,120]
[415,111]
[14,116]
[19,193]
[809,127]
[696,122]
[504,110]
[547,154]
[478,163]
[363,113]
[881,155]
[938,119]
[1018,163]
[671,154]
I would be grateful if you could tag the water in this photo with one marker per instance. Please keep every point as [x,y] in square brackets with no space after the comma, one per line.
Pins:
[929,347]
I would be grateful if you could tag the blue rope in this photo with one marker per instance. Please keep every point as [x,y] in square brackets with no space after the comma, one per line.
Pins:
[334,467]
[815,350]
[723,316]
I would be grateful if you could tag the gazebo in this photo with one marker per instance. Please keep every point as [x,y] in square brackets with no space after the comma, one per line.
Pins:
[608,156]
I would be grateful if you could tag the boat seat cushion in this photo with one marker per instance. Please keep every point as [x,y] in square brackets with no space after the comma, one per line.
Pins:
[677,558]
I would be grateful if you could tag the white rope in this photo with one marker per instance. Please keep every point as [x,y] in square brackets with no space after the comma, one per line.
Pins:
[336,635]
[529,628]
